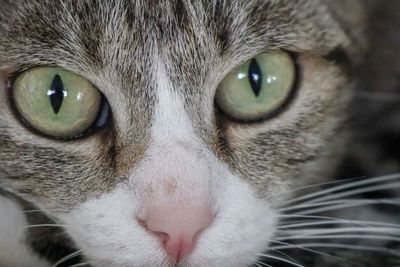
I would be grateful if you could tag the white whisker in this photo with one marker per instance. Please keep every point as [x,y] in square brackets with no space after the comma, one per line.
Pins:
[345,186]
[300,216]
[341,181]
[45,225]
[282,260]
[283,254]
[366,224]
[387,201]
[341,246]
[322,231]
[309,250]
[68,257]
[332,237]
[262,264]
[343,206]
[361,190]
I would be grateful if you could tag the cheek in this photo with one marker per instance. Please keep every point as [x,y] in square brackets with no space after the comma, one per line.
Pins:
[49,177]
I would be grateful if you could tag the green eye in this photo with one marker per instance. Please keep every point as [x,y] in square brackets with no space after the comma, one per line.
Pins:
[258,87]
[58,103]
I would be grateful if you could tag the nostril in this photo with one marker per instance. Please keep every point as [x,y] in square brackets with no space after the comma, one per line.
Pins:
[161,235]
[164,237]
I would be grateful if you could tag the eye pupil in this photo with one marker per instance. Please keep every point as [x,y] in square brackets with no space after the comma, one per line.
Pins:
[255,77]
[56,93]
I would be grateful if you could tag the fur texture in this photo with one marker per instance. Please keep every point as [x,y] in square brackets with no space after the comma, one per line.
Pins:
[159,65]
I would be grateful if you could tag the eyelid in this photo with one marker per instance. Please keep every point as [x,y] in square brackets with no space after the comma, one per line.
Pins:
[101,121]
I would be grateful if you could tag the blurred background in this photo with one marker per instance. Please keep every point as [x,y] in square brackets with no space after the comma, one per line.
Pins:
[375,112]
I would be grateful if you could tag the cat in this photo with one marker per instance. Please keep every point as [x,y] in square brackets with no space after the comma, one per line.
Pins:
[147,145]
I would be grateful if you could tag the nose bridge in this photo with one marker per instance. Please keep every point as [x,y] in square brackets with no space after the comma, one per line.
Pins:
[171,172]
[175,165]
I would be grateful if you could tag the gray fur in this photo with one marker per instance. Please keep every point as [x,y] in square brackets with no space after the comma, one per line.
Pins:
[114,43]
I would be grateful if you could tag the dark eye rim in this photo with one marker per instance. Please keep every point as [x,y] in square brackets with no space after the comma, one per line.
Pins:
[93,129]
[279,110]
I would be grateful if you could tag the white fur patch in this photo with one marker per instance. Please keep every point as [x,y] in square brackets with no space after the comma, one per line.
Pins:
[14,252]
[176,165]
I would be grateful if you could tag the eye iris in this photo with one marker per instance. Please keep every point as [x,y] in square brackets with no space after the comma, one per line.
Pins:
[258,87]
[56,93]
[58,103]
[255,77]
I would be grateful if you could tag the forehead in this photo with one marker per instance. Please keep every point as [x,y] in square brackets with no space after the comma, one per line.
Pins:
[119,33]
[119,45]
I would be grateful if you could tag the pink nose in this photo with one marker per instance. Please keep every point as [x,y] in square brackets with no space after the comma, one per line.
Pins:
[177,227]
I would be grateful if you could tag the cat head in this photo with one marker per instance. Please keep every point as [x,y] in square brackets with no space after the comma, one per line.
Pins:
[174,164]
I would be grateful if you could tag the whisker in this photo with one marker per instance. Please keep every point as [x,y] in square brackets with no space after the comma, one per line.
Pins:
[341,181]
[282,260]
[312,251]
[283,254]
[347,205]
[80,264]
[45,225]
[331,237]
[291,226]
[344,230]
[389,201]
[289,217]
[342,246]
[365,224]
[68,257]
[354,192]
[262,264]
[345,186]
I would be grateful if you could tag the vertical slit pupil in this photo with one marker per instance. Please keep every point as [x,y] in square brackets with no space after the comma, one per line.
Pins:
[56,93]
[255,77]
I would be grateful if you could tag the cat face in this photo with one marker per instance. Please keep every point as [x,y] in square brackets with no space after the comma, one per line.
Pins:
[170,177]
